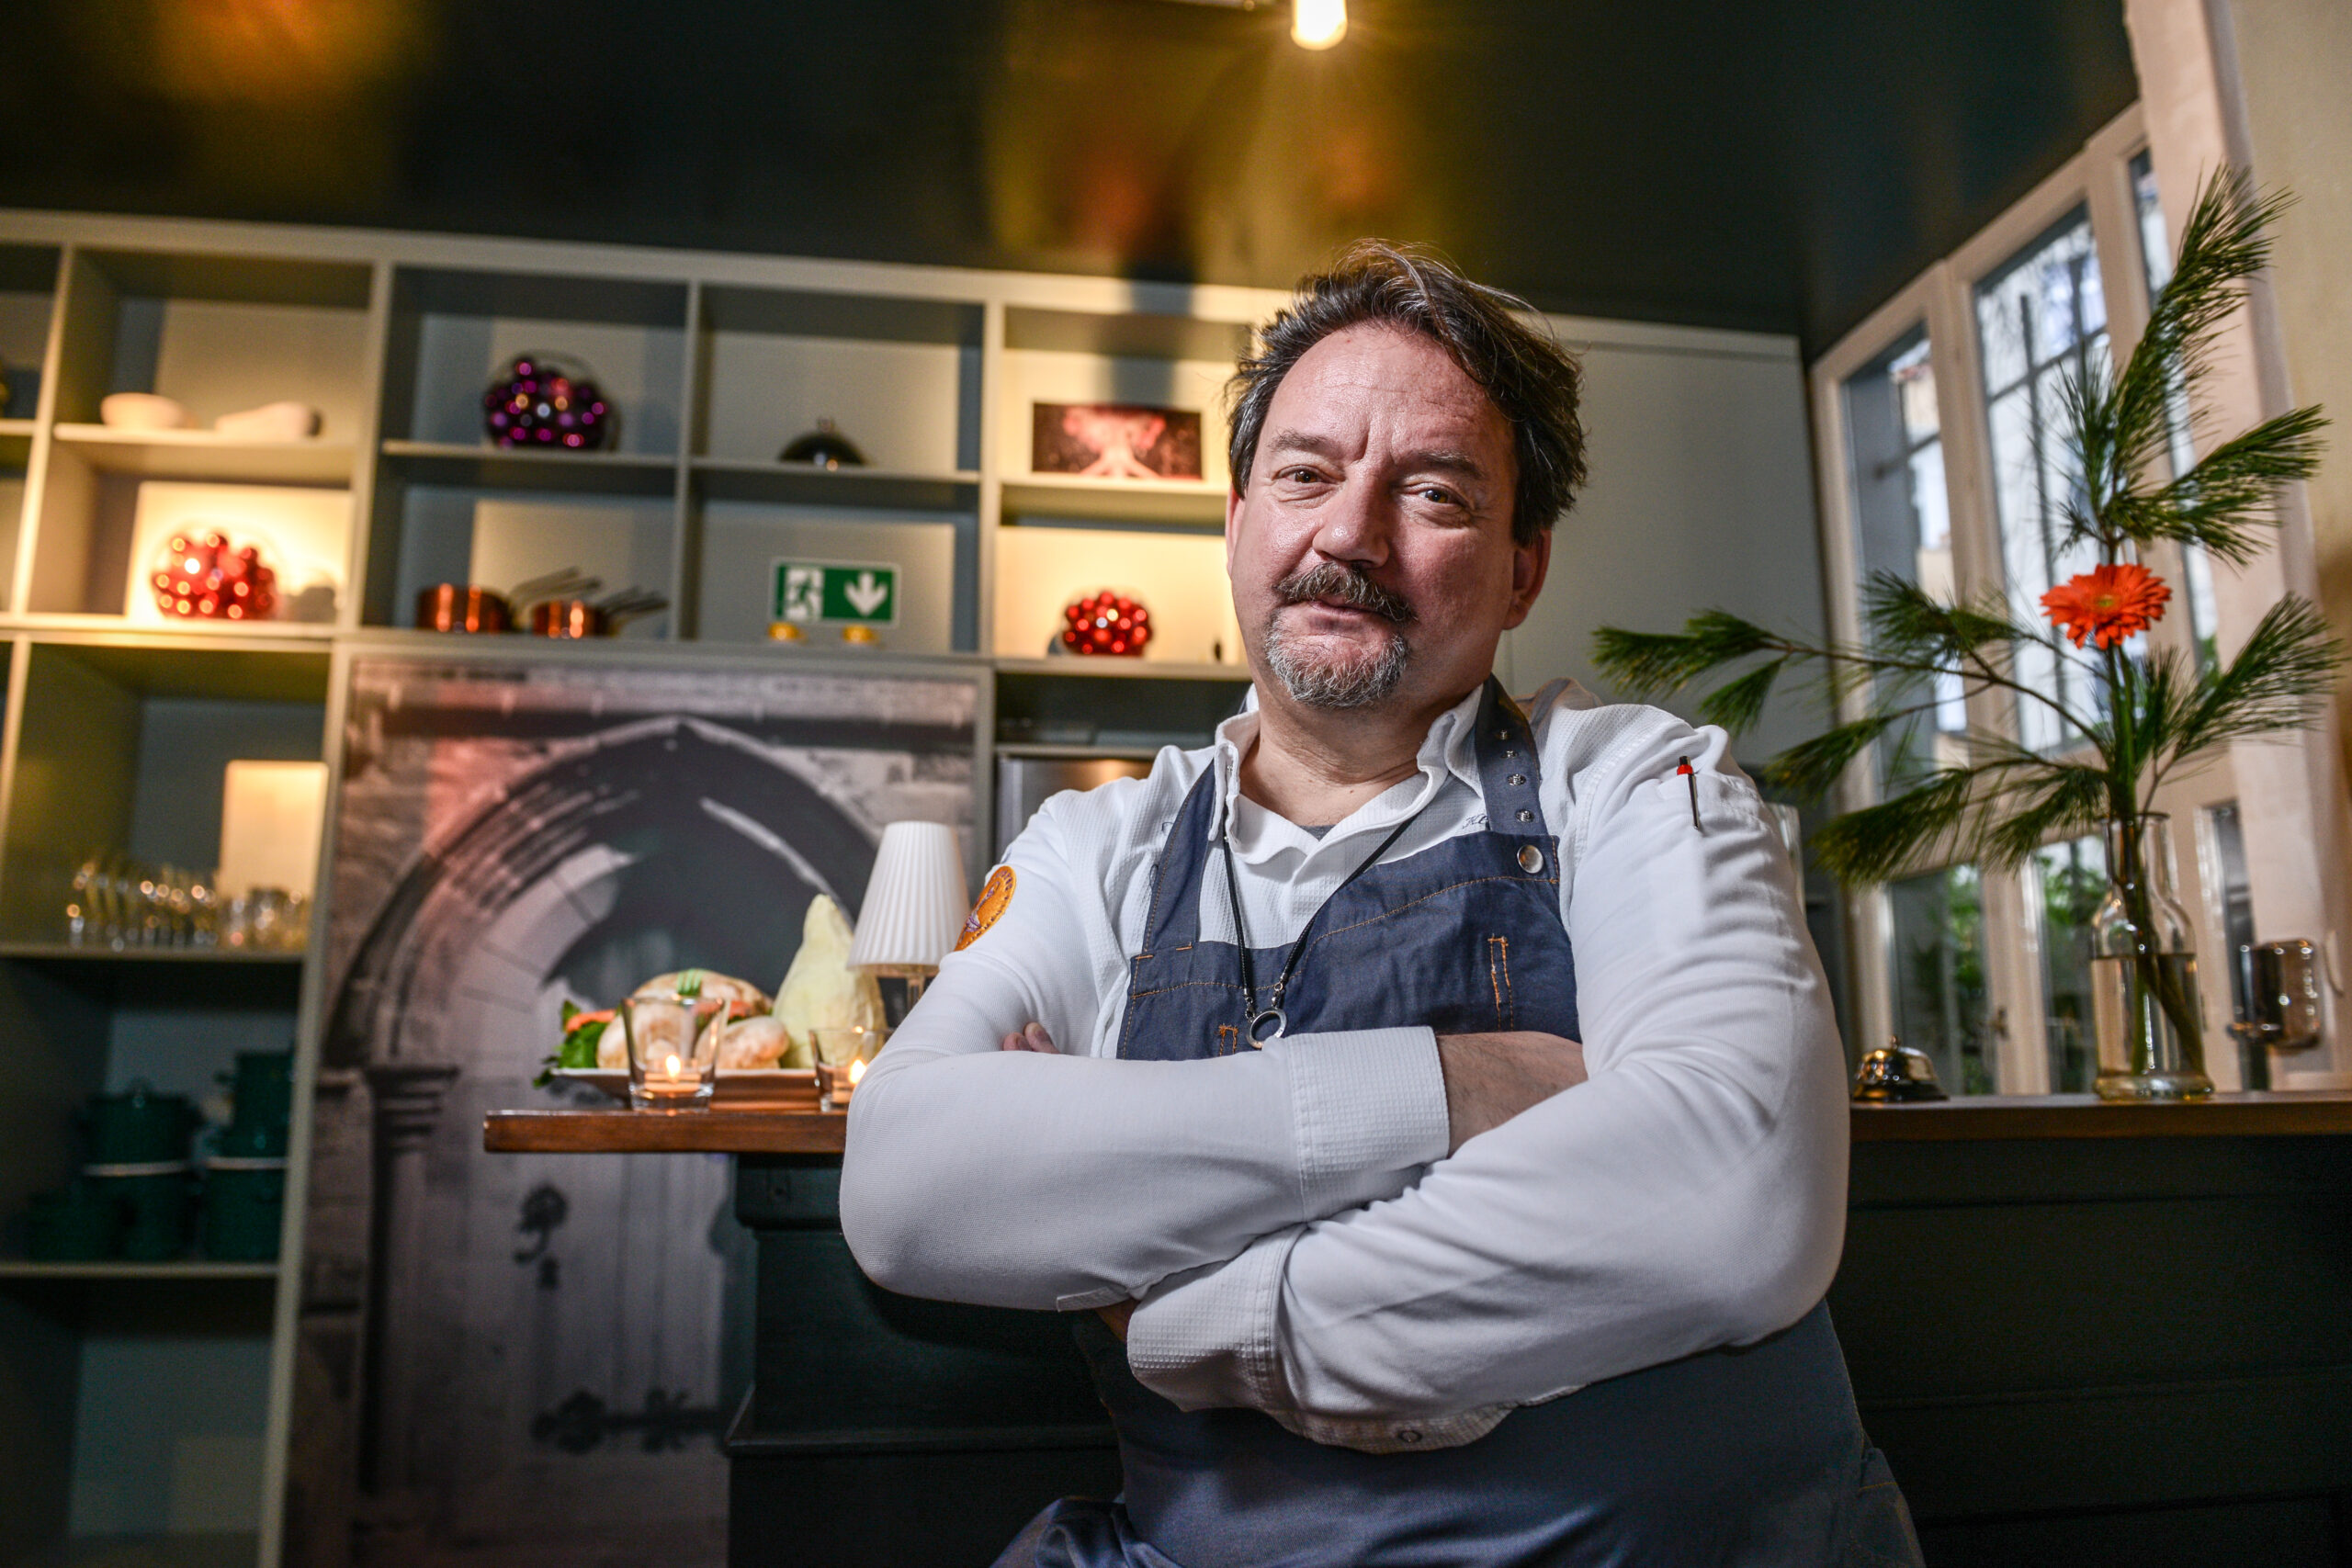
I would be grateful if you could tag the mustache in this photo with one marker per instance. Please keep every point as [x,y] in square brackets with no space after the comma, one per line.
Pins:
[1340,583]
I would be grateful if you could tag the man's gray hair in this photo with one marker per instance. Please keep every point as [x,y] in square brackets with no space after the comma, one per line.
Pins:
[1531,379]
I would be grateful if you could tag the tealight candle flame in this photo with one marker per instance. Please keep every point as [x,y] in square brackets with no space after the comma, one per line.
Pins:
[856,1071]
[671,1064]
[1318,24]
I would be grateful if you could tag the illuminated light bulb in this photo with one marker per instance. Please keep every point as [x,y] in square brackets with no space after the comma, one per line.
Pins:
[1318,24]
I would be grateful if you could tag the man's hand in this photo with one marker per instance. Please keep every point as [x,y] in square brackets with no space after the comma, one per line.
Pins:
[1490,1079]
[1032,1038]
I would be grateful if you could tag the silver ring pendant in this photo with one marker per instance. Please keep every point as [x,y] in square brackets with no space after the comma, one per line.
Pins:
[1281,1024]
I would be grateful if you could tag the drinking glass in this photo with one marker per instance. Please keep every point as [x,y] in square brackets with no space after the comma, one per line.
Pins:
[841,1056]
[673,1051]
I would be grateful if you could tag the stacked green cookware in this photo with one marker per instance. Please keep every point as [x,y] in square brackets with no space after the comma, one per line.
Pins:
[245,1182]
[138,1144]
[136,1198]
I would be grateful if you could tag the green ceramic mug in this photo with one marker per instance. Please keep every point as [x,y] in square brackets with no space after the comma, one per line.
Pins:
[80,1224]
[244,1206]
[137,1126]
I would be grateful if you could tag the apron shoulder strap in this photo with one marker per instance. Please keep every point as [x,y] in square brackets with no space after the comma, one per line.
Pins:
[1176,878]
[1507,771]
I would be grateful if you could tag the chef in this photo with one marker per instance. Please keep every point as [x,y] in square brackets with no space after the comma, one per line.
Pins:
[1428,1108]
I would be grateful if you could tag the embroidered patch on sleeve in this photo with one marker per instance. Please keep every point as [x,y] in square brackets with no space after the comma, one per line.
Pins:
[995,895]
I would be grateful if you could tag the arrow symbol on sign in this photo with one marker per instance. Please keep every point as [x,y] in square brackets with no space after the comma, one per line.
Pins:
[866,595]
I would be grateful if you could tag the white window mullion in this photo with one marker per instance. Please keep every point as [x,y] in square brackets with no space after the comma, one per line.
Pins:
[2012,950]
[1869,923]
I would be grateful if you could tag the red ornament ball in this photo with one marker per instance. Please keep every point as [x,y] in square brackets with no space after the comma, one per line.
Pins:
[1106,622]
[203,577]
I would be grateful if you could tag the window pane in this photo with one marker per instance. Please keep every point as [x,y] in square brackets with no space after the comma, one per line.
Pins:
[2155,246]
[2074,881]
[1902,518]
[2043,321]
[1941,1002]
[2229,889]
[2156,257]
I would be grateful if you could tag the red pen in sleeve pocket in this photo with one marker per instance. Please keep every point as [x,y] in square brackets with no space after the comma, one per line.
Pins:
[1683,766]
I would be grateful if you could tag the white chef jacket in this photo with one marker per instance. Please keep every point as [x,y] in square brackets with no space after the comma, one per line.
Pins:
[1289,1220]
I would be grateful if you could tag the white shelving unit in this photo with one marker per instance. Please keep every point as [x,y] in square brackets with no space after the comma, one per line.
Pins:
[712,365]
[714,362]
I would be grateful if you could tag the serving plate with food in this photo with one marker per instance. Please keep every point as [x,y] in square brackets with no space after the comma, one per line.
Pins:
[768,1046]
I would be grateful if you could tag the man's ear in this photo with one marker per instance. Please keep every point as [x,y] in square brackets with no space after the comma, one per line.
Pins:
[1232,525]
[1530,563]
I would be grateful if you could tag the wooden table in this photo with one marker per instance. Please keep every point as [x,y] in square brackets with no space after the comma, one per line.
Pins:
[624,1131]
[2082,1333]
[726,1130]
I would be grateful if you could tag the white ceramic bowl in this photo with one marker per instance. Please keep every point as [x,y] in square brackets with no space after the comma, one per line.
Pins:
[143,411]
[271,421]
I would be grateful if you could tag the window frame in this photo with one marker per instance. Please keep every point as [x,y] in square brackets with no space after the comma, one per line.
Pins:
[1943,299]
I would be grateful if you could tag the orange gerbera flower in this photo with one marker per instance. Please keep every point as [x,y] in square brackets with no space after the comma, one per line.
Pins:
[2106,604]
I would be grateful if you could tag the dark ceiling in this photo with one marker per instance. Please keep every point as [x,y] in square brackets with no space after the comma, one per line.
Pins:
[1778,164]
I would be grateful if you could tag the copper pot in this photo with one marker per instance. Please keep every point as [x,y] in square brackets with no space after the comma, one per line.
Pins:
[567,619]
[458,607]
[568,615]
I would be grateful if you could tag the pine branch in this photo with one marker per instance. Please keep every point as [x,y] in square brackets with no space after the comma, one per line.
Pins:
[1906,622]
[2275,683]
[1881,843]
[2062,800]
[2225,242]
[2224,500]
[1737,704]
[1658,664]
[2119,427]
[1813,767]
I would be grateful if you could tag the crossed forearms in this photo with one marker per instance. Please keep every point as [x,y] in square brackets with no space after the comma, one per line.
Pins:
[1490,1079]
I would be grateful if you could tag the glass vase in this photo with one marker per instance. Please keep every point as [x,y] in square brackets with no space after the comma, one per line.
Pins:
[2144,1006]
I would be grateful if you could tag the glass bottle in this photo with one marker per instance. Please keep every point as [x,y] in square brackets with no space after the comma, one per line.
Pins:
[2144,1006]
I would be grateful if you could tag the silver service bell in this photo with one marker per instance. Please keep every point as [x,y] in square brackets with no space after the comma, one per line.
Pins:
[1894,1073]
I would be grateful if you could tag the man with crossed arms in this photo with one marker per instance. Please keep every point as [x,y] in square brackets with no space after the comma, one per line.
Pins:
[1431,1111]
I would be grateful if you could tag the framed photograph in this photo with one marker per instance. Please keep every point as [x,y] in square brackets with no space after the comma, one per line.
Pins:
[1115,441]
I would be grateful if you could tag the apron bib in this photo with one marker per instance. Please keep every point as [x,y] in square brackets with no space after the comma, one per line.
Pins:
[1748,1456]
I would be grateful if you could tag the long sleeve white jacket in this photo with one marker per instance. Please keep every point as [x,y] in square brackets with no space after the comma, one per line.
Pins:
[1299,1238]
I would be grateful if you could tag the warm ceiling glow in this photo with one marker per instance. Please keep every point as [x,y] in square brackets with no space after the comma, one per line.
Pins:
[1318,24]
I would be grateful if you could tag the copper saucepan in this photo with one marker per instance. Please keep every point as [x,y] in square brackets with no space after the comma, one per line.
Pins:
[578,617]
[462,607]
[456,607]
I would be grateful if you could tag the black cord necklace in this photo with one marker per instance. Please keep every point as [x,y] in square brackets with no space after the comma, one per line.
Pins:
[1273,1008]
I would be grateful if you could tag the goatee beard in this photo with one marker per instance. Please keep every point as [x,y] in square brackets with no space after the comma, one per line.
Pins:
[1351,680]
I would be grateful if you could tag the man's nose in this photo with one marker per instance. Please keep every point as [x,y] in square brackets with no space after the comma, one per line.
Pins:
[1354,525]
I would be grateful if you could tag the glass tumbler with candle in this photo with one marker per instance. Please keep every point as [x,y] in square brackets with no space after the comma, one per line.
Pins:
[673,1050]
[841,1056]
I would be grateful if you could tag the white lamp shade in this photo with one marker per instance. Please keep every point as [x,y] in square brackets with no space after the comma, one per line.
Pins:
[915,902]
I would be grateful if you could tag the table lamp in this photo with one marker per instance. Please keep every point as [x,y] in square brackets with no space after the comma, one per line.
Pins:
[915,905]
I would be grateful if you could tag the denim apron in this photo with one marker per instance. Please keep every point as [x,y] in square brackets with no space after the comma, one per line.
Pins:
[1752,1456]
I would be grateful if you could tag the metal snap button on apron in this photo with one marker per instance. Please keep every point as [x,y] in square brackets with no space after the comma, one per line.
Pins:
[1530,860]
[1527,816]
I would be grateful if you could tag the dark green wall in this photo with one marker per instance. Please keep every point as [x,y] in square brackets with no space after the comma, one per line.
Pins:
[1776,164]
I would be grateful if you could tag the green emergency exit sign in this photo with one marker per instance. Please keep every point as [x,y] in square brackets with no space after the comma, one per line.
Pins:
[835,592]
